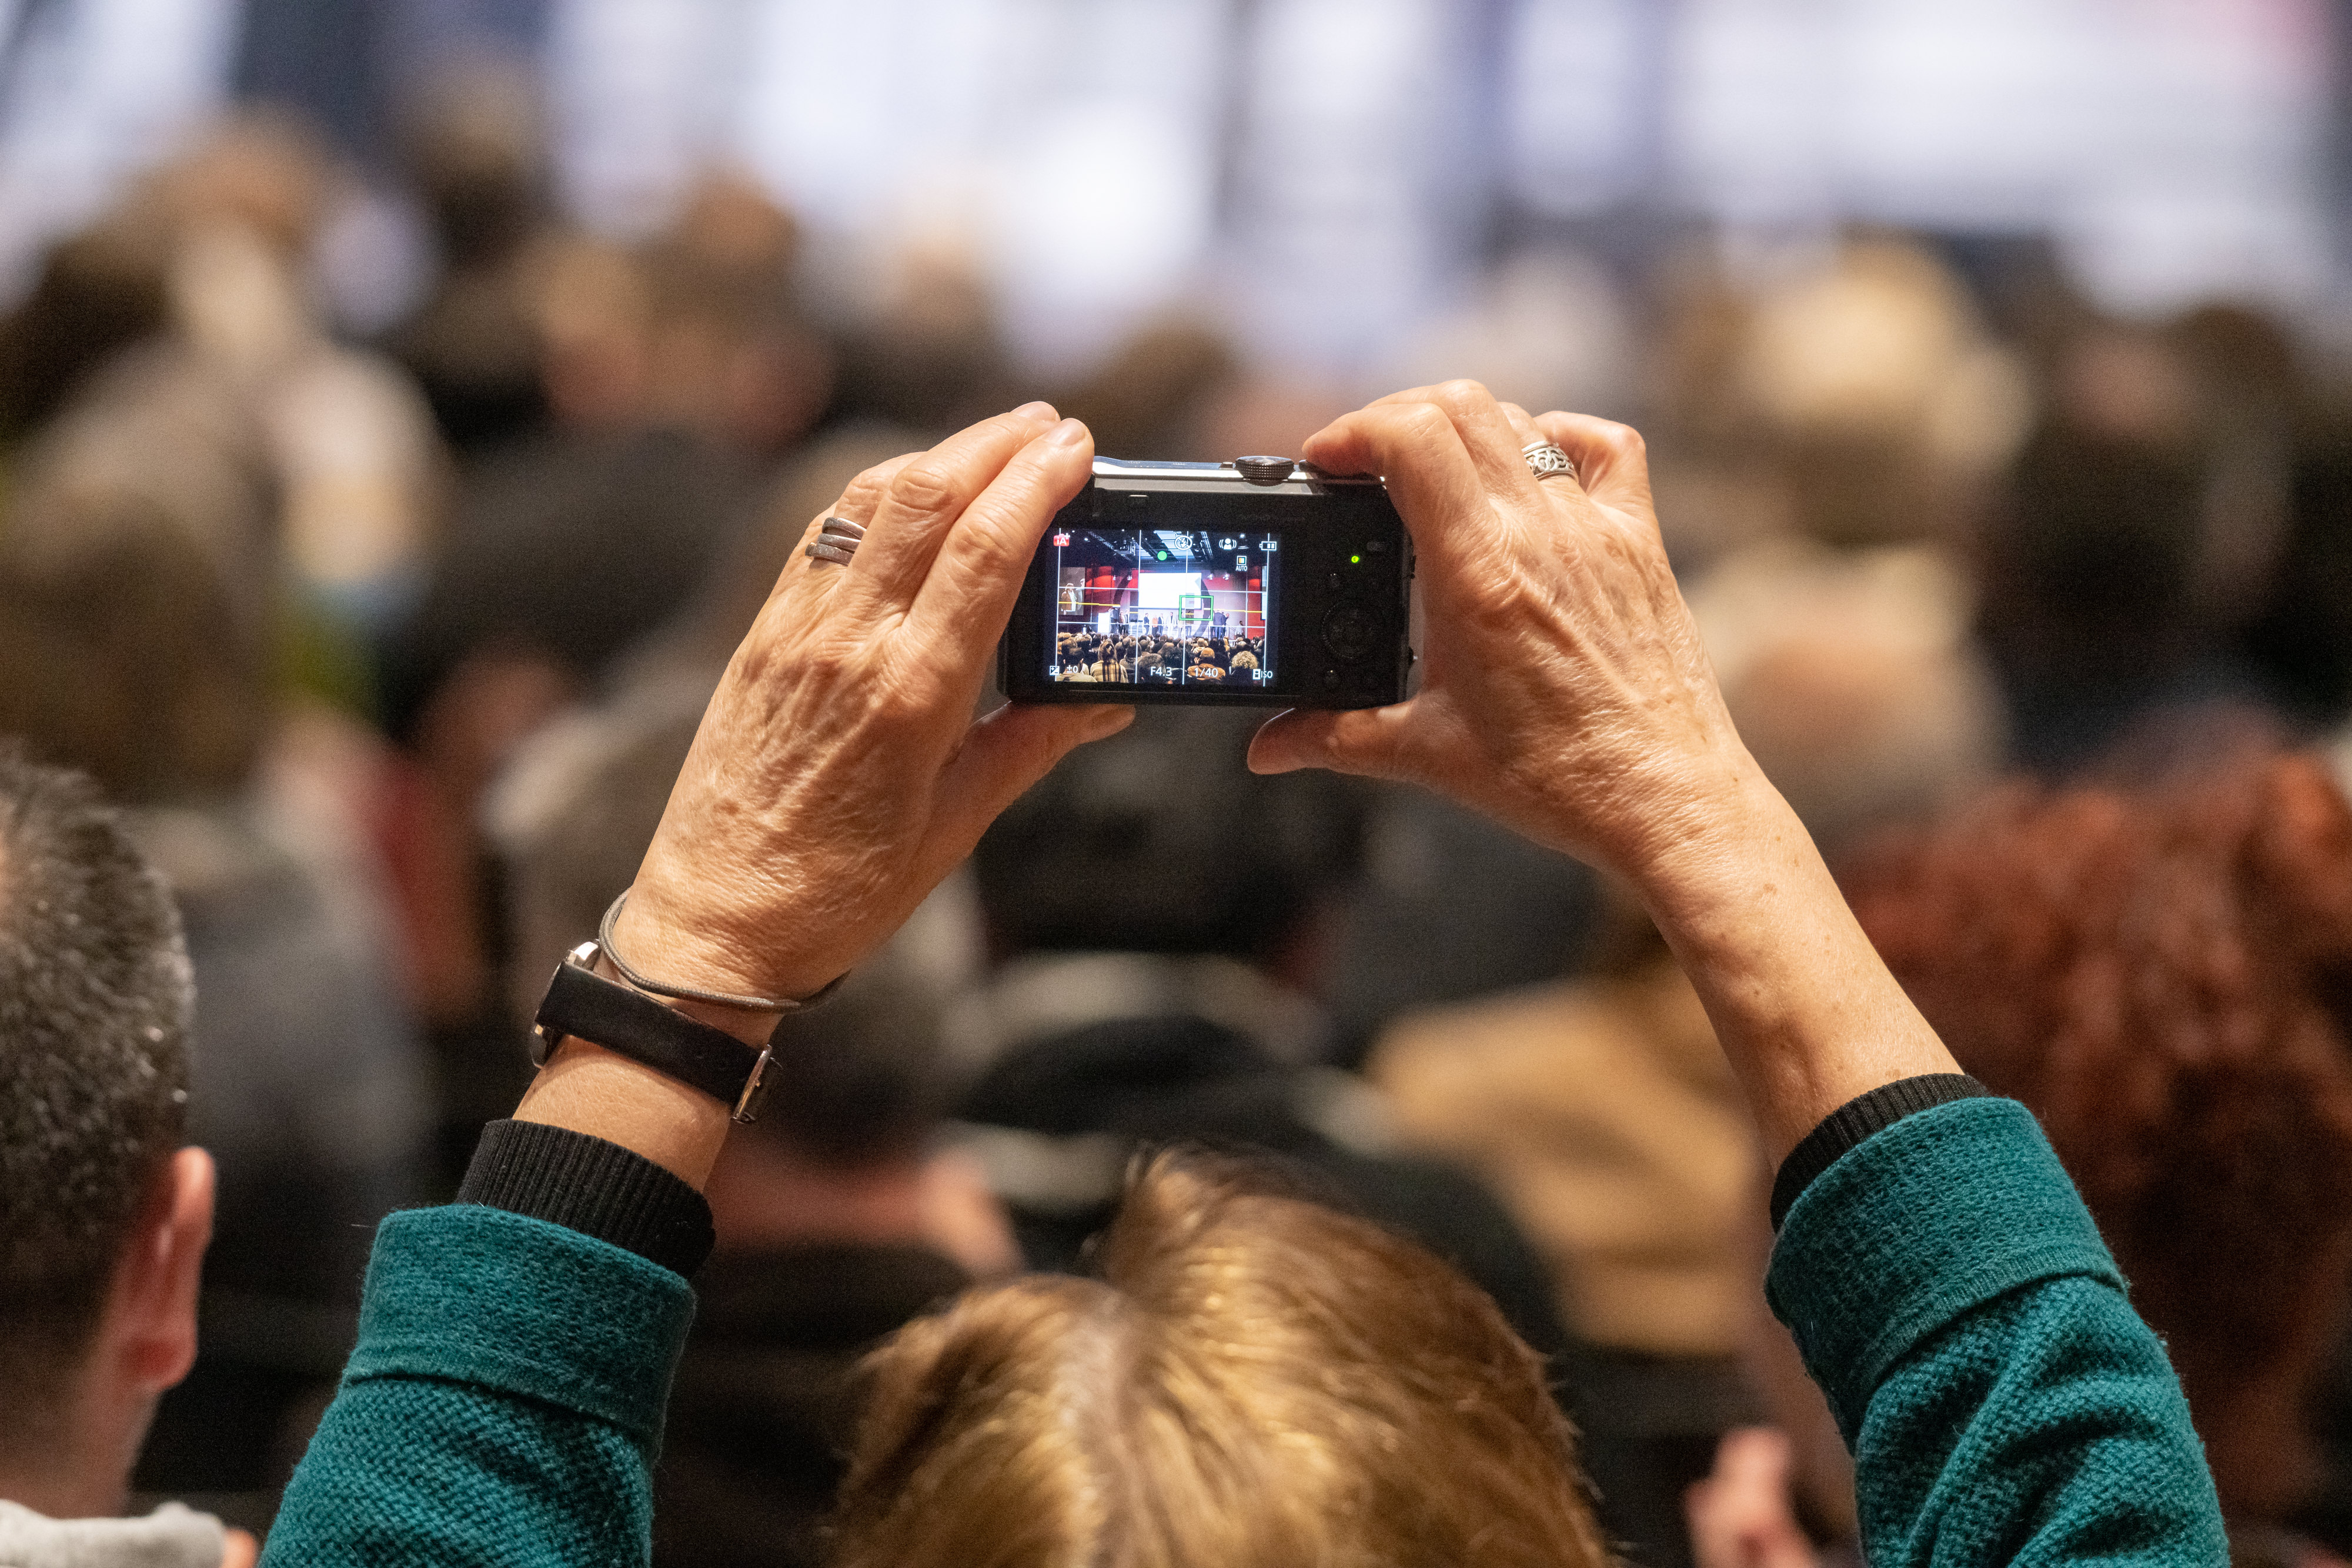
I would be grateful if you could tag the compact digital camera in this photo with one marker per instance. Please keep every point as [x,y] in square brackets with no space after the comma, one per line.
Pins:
[1256,582]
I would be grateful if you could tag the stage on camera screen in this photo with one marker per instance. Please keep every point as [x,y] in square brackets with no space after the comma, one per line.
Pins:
[1153,607]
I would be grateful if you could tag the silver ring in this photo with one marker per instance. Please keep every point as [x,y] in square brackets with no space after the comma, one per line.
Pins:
[1547,461]
[836,541]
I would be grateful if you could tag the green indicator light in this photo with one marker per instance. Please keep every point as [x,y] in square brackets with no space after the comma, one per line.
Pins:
[1163,555]
[1355,561]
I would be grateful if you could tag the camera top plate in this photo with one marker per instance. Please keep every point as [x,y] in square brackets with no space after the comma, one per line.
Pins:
[1246,476]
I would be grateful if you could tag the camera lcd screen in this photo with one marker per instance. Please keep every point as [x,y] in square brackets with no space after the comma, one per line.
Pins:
[1164,608]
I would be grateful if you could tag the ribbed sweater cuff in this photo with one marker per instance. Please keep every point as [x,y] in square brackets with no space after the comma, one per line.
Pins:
[1857,1119]
[595,1188]
[1915,1229]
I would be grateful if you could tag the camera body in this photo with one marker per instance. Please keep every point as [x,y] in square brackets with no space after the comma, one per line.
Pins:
[1256,582]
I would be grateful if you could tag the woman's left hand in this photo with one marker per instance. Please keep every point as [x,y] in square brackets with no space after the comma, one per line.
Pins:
[838,774]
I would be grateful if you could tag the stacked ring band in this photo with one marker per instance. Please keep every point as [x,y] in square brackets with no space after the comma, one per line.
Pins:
[1548,461]
[836,541]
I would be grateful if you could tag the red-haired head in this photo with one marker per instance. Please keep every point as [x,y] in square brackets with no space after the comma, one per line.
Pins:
[2165,977]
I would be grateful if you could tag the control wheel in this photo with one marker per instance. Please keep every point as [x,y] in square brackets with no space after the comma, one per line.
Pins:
[1350,632]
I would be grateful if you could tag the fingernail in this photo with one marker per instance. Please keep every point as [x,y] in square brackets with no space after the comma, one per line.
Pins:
[1110,722]
[1069,432]
[1034,411]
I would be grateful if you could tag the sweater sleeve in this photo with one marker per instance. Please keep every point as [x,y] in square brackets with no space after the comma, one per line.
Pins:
[504,1402]
[2004,1403]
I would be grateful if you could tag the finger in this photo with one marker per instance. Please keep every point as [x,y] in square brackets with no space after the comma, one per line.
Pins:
[1739,1517]
[857,505]
[1753,1457]
[1002,755]
[1372,743]
[1424,394]
[1611,463]
[1528,433]
[1715,1536]
[924,497]
[865,493]
[1430,475]
[1748,1509]
[1491,441]
[977,574]
[1473,411]
[239,1549]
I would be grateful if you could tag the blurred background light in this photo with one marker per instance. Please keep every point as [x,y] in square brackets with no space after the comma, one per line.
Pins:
[1324,176]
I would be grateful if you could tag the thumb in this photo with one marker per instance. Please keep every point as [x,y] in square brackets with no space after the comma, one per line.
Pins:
[1741,1516]
[1372,742]
[239,1549]
[1002,755]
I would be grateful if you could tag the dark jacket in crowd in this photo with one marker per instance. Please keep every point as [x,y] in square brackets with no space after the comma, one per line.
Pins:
[1183,1081]
[765,1407]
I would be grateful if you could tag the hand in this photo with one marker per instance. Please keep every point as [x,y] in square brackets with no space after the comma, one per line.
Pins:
[239,1549]
[838,774]
[1741,1517]
[1564,688]
[1565,692]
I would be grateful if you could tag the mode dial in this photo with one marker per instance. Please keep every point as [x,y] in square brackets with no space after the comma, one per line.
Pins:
[1265,470]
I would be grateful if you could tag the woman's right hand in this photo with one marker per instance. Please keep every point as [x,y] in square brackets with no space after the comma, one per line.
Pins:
[1564,689]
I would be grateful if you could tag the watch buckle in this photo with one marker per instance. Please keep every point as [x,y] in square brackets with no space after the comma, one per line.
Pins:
[546,1039]
[755,1089]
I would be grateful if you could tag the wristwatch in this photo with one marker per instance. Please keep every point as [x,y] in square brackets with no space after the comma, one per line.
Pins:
[578,1002]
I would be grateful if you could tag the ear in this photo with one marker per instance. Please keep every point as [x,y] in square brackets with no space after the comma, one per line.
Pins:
[153,1308]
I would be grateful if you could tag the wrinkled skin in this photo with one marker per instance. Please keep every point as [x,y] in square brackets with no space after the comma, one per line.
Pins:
[1564,691]
[838,774]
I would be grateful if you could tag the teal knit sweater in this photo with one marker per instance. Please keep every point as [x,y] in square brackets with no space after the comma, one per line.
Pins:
[2003,1402]
[1948,1288]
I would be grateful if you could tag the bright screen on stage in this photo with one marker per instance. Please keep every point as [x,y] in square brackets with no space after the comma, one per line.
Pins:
[1159,607]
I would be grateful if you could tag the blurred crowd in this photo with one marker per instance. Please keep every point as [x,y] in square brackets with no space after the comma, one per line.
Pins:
[2041,619]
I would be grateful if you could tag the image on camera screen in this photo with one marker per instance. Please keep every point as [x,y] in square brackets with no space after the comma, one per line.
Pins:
[1159,607]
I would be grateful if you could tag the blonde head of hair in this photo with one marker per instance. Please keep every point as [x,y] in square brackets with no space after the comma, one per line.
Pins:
[1254,1380]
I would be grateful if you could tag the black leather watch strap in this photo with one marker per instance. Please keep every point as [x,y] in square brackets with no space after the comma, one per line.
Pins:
[603,1012]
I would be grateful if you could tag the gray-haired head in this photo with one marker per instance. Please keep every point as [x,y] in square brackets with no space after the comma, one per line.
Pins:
[95,1003]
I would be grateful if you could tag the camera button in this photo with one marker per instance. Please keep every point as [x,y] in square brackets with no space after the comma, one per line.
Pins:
[1350,632]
